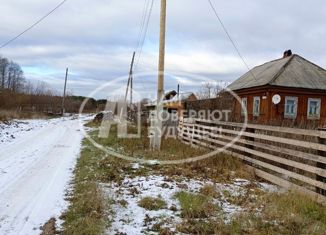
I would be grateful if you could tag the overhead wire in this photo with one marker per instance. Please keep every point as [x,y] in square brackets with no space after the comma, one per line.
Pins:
[33,25]
[230,38]
[142,23]
[148,17]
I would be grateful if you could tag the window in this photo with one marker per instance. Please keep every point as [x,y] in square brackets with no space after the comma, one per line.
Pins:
[256,110]
[291,107]
[244,103]
[314,108]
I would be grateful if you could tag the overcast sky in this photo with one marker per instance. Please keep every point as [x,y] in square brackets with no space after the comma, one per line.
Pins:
[96,38]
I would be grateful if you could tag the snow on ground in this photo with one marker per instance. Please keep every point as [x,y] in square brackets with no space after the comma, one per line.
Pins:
[11,130]
[37,158]
[133,219]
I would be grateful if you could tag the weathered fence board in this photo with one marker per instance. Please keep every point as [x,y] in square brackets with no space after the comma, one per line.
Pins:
[293,142]
[281,150]
[279,129]
[303,168]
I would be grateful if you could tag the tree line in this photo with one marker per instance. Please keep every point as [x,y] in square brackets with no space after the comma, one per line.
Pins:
[21,95]
[11,75]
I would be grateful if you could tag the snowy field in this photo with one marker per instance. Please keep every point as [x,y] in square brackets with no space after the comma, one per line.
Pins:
[130,218]
[37,158]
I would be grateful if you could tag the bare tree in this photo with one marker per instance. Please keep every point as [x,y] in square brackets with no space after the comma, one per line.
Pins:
[40,88]
[28,88]
[20,94]
[17,79]
[210,90]
[4,63]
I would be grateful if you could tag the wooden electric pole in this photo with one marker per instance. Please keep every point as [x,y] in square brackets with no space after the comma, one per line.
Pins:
[64,94]
[160,82]
[131,87]
[178,89]
[130,79]
[161,63]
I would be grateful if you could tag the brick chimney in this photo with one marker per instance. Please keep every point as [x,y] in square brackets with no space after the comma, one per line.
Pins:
[287,53]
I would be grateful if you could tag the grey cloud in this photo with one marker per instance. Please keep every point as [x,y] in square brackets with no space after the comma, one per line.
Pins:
[96,38]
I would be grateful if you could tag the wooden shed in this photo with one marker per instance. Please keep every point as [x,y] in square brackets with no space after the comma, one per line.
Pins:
[287,91]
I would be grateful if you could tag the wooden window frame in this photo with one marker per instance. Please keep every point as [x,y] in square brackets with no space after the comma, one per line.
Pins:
[314,117]
[255,114]
[290,115]
[246,106]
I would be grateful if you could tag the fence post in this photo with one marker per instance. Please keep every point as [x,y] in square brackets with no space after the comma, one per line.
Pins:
[321,140]
[192,135]
[249,146]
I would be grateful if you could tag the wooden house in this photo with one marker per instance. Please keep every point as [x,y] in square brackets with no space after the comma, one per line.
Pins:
[290,90]
[173,101]
[178,102]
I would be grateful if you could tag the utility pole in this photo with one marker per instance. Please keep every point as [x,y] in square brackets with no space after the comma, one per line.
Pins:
[178,91]
[64,94]
[156,143]
[161,63]
[130,82]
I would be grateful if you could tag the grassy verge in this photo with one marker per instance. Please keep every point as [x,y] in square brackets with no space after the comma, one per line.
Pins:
[88,207]
[219,168]
[287,213]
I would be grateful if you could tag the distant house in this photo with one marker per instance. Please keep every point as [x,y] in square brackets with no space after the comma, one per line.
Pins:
[288,90]
[173,101]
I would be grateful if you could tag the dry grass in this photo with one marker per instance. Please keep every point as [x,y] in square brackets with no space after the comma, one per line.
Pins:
[220,168]
[209,191]
[151,203]
[49,227]
[288,213]
[87,211]
[297,214]
[7,115]
[196,205]
[201,227]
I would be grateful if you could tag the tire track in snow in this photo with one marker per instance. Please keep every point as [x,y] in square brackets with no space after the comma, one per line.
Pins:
[28,159]
[38,192]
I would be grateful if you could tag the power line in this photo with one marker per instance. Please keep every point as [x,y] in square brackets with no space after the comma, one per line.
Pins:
[143,19]
[230,38]
[145,30]
[33,25]
[145,33]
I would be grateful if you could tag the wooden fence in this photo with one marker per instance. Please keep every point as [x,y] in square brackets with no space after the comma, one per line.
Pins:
[288,157]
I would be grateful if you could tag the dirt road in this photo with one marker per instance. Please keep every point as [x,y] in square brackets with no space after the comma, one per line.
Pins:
[35,170]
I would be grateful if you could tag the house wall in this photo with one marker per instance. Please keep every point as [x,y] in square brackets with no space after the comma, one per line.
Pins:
[274,114]
[222,103]
[264,106]
[277,111]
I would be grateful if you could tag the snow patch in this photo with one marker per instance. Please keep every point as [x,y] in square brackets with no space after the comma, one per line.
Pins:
[129,218]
